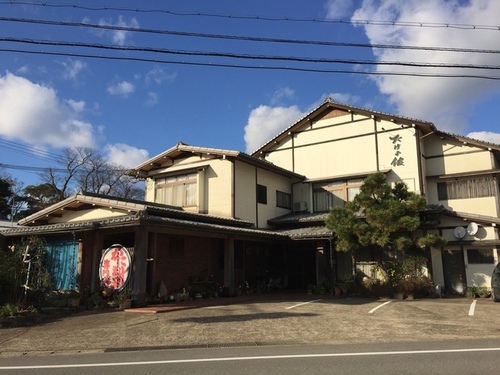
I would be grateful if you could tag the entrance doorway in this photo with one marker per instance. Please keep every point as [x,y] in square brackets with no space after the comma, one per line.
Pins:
[455,282]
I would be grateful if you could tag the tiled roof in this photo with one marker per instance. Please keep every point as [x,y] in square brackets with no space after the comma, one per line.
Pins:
[299,218]
[142,218]
[308,233]
[88,200]
[182,148]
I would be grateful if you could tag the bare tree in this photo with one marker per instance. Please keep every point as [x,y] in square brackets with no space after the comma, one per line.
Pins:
[73,161]
[86,169]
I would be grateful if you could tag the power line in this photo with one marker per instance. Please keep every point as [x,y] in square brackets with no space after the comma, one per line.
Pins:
[259,67]
[268,18]
[28,150]
[247,56]
[31,169]
[246,38]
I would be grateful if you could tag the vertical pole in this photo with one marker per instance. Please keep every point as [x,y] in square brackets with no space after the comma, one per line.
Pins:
[96,258]
[229,267]
[139,267]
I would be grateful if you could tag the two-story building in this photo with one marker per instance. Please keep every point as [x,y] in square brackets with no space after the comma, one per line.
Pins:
[222,216]
[336,146]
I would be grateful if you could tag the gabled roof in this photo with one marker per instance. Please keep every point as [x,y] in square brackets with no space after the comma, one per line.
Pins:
[86,201]
[329,105]
[468,140]
[181,149]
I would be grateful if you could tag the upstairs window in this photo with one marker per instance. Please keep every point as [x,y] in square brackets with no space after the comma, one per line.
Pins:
[176,190]
[327,195]
[283,200]
[477,187]
[261,194]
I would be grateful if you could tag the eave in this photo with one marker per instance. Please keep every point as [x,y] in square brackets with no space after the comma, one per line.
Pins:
[164,160]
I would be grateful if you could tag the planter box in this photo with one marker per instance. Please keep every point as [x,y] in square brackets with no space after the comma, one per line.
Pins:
[126,304]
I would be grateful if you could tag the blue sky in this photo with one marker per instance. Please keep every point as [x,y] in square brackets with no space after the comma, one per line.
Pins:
[65,96]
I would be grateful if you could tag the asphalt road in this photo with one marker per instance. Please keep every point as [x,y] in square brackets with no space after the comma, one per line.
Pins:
[435,358]
[289,327]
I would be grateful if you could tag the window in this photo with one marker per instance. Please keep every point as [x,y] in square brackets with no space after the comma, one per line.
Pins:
[261,194]
[283,200]
[477,187]
[334,193]
[480,256]
[176,190]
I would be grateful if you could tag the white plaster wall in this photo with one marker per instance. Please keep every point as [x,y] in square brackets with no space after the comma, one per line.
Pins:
[338,147]
[449,156]
[149,186]
[480,274]
[218,185]
[273,182]
[245,192]
[87,215]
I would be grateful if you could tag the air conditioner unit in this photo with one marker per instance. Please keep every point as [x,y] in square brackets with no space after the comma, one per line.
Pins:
[299,206]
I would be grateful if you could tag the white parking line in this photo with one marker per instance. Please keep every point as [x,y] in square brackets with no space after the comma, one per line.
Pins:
[378,307]
[300,304]
[472,307]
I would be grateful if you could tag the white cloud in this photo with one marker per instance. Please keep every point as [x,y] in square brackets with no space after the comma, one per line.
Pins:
[446,101]
[125,155]
[77,106]
[122,88]
[282,94]
[158,75]
[338,9]
[152,99]
[35,114]
[22,70]
[266,122]
[118,37]
[486,136]
[72,68]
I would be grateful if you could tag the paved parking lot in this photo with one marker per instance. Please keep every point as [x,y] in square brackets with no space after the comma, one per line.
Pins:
[272,321]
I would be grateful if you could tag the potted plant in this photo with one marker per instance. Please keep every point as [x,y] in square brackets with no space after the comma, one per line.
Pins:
[123,299]
[73,298]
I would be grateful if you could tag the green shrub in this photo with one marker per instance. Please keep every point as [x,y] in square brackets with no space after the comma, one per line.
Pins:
[418,287]
[10,271]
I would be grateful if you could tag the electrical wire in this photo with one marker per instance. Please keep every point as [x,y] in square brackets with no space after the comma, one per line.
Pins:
[245,38]
[30,168]
[28,150]
[259,67]
[245,56]
[361,22]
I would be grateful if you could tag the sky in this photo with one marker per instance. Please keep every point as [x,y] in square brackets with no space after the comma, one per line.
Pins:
[132,79]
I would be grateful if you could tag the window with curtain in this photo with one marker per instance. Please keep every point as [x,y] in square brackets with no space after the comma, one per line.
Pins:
[327,195]
[283,200]
[476,187]
[177,190]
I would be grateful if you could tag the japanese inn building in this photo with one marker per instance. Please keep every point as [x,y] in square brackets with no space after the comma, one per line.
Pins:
[235,218]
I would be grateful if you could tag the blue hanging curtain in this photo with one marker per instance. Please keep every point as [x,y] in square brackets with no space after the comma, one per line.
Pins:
[62,261]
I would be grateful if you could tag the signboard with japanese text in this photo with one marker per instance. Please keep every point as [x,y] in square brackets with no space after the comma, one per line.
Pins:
[114,268]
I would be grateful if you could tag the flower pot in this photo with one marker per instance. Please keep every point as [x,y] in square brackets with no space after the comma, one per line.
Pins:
[126,304]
